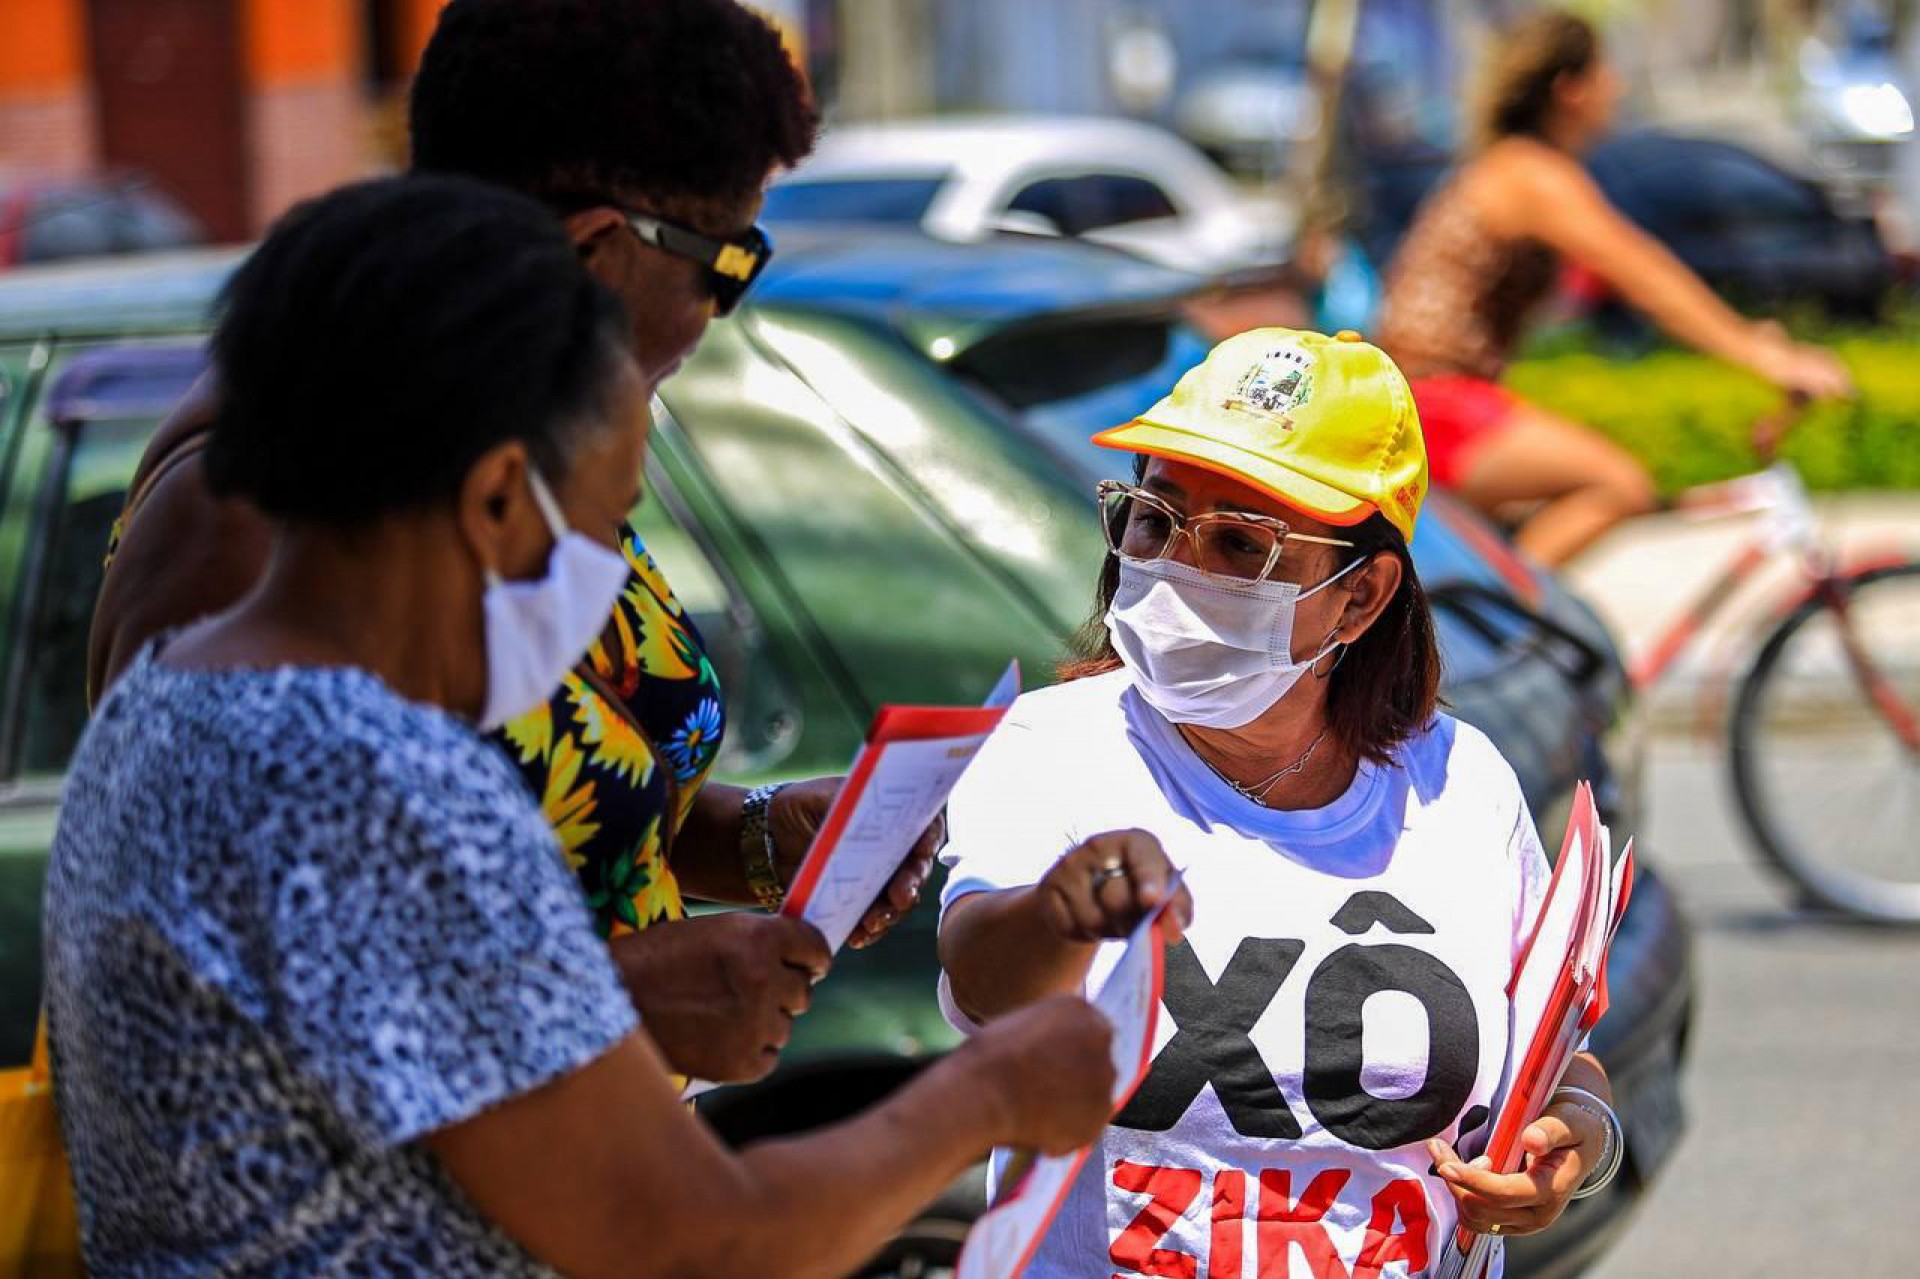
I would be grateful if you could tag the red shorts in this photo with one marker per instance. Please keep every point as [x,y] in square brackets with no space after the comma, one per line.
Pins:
[1457,415]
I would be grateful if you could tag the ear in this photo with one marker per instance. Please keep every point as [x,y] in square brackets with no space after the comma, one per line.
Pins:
[1374,584]
[594,231]
[495,512]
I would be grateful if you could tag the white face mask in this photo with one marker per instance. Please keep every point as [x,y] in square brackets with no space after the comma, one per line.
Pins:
[537,630]
[1207,650]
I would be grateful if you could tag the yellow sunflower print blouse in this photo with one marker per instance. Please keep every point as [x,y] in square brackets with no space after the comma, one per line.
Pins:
[619,753]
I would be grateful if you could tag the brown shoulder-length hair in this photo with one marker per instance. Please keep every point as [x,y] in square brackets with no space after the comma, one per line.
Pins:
[1386,684]
[1516,93]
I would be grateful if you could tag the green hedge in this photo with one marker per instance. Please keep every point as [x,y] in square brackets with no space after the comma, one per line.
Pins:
[1689,418]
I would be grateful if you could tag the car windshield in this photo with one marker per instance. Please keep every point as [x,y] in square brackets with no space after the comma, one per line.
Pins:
[903,200]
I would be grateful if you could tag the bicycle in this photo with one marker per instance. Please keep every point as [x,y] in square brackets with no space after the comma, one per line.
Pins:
[1830,699]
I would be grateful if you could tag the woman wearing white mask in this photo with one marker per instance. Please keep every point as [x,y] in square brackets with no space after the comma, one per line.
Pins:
[324,997]
[1258,709]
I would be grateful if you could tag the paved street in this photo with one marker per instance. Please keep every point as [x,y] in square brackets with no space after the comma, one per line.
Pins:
[1802,1086]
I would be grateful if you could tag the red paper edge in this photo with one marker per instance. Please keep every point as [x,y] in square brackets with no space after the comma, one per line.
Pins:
[909,723]
[1146,1058]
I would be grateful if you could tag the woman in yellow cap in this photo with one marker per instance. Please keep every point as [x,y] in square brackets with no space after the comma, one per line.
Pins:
[1258,709]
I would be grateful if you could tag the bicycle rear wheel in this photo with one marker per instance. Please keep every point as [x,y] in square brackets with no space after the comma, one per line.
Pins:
[1826,775]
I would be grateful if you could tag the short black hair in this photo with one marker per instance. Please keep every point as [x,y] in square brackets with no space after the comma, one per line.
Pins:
[383,337]
[667,100]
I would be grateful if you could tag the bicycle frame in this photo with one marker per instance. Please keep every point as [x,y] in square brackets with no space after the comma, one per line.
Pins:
[1776,493]
[1791,526]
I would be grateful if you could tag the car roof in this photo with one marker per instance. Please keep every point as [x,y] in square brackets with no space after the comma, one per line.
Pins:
[157,293]
[927,288]
[985,145]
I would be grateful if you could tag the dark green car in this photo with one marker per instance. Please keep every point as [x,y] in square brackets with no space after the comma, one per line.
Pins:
[872,485]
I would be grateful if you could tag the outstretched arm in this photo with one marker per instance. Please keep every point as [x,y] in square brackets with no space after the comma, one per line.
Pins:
[1560,205]
[604,1171]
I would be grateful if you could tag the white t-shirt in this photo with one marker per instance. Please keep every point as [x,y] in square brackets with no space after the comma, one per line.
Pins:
[1339,999]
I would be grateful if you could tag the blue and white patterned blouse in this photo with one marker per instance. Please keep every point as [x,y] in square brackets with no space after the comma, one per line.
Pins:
[295,922]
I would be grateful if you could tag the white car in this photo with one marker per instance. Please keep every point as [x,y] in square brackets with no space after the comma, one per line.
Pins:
[1119,182]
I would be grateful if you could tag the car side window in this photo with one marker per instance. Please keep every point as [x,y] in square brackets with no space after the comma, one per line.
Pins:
[1052,199]
[1123,198]
[1093,201]
[98,467]
[65,225]
[102,409]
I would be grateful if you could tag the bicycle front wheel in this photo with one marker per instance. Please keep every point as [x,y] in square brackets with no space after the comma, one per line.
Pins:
[1825,764]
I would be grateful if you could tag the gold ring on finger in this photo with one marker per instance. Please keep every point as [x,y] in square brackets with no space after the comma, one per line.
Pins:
[1107,874]
[1495,1228]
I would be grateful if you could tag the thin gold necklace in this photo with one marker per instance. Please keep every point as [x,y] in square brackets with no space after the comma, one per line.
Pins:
[1259,791]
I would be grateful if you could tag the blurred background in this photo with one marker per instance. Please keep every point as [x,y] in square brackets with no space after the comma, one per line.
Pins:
[1025,218]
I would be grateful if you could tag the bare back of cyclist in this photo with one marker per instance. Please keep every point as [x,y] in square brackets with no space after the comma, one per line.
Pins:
[1485,251]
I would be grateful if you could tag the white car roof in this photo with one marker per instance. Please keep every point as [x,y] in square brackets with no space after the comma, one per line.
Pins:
[985,148]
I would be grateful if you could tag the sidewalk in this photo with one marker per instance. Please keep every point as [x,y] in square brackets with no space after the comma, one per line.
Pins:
[1644,575]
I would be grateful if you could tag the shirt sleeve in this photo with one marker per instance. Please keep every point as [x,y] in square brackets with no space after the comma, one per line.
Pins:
[433,955]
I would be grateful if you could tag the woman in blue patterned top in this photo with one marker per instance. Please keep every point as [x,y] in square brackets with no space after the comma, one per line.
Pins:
[323,996]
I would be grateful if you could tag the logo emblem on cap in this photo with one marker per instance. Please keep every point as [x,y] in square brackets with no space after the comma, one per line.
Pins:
[1280,382]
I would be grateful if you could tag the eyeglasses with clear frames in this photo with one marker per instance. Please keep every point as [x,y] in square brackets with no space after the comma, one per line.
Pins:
[1244,547]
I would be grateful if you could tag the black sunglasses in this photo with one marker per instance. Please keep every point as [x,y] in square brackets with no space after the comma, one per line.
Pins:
[732,265]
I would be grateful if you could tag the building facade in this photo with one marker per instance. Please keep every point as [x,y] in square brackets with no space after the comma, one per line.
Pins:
[235,107]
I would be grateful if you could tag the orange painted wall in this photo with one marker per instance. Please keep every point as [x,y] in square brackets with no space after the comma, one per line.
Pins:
[416,24]
[300,41]
[42,47]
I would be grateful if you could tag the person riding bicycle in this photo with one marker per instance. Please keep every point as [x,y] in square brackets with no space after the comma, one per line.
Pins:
[1486,249]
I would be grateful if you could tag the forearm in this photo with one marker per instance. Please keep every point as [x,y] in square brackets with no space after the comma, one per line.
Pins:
[1682,305]
[1000,954]
[561,1168]
[706,851]
[1585,1071]
[800,1217]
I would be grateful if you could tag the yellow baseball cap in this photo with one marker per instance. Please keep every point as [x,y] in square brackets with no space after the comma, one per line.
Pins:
[1324,424]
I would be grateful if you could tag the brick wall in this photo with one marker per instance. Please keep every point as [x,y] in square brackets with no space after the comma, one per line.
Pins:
[48,134]
[304,139]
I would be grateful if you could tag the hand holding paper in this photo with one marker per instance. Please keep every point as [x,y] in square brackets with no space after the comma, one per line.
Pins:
[794,820]
[913,758]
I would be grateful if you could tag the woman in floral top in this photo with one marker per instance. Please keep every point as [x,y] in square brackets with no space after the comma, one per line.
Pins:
[623,118]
